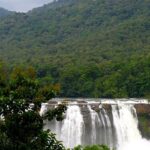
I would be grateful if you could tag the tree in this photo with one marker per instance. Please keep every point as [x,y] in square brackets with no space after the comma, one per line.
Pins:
[93,147]
[21,126]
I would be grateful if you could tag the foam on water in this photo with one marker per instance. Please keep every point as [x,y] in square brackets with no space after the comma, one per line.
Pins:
[141,144]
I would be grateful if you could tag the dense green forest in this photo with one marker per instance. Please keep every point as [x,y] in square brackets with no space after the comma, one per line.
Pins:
[91,48]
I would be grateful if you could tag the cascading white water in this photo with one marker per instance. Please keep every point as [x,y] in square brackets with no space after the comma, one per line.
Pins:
[101,126]
[108,130]
[72,128]
[93,120]
[125,124]
[83,125]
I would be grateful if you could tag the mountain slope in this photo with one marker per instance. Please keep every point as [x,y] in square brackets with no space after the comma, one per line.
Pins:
[69,33]
[4,12]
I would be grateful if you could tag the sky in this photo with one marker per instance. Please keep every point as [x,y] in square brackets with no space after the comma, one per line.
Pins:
[22,5]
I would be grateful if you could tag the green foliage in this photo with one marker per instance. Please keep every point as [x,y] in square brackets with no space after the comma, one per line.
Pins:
[93,147]
[144,121]
[93,49]
[21,126]
[108,80]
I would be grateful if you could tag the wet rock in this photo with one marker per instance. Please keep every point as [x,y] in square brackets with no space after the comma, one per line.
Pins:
[142,108]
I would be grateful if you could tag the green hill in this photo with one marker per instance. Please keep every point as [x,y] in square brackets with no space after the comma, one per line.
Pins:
[4,12]
[93,48]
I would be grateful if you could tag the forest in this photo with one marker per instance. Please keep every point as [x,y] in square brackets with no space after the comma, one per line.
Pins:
[94,49]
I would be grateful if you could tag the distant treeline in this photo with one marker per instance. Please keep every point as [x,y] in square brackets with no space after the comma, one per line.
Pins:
[108,80]
[105,80]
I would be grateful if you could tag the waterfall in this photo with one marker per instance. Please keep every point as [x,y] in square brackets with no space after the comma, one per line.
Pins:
[89,123]
[125,123]
[72,128]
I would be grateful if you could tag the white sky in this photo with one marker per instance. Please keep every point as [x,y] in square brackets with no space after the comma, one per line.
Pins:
[22,5]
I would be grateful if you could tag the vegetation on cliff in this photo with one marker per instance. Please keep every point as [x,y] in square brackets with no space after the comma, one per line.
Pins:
[144,125]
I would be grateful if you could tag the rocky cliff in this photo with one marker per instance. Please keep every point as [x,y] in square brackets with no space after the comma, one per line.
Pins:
[142,110]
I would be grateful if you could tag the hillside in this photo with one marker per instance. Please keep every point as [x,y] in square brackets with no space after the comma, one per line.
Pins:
[91,48]
[4,12]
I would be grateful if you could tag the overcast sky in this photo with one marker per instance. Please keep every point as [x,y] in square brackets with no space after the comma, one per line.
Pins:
[22,5]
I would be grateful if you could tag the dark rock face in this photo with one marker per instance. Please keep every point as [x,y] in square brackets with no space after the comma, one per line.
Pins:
[142,108]
[143,113]
[107,107]
[52,102]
